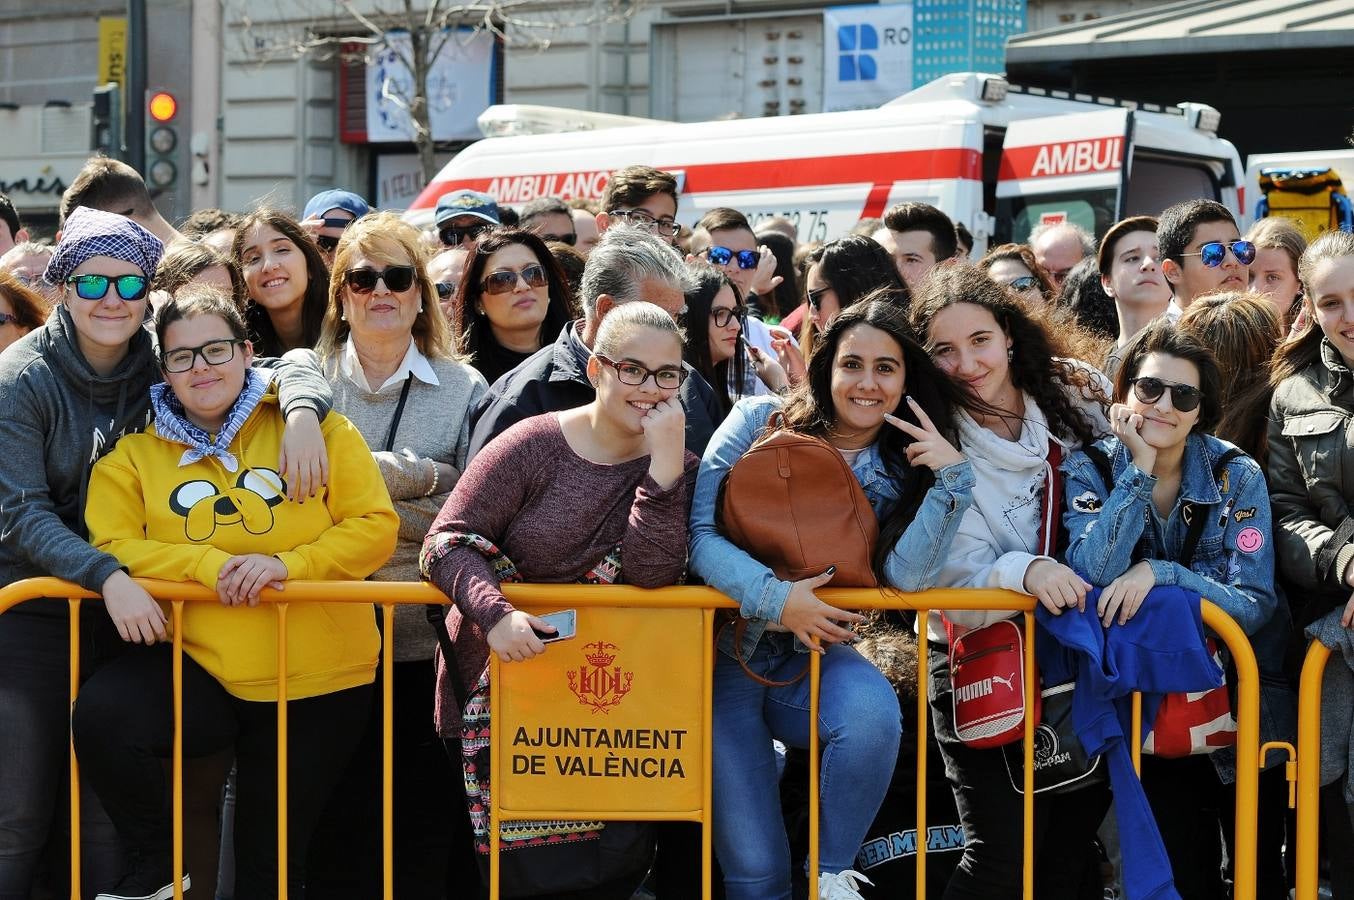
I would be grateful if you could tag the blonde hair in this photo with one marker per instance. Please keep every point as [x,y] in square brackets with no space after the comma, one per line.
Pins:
[385,238]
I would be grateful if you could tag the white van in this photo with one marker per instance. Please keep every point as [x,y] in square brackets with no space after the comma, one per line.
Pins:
[999,159]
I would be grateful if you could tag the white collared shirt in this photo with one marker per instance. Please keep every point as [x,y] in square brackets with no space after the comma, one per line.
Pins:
[414,363]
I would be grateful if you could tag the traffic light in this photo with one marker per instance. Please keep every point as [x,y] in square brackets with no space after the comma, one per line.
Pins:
[106,120]
[162,139]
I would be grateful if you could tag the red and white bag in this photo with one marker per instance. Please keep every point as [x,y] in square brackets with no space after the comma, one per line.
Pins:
[1193,723]
[987,664]
[987,674]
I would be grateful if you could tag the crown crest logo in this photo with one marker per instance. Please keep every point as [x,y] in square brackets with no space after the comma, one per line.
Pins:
[600,684]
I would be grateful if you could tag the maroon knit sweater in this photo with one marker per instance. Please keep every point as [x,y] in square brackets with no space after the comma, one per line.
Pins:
[555,515]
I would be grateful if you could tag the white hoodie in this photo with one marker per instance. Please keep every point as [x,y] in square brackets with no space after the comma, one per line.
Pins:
[1002,532]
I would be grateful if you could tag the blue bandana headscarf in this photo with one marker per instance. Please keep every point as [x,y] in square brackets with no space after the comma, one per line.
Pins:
[171,423]
[87,233]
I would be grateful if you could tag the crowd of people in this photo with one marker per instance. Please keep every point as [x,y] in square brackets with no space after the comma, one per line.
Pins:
[561,393]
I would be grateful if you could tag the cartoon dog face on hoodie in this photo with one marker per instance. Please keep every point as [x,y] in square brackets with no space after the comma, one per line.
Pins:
[249,504]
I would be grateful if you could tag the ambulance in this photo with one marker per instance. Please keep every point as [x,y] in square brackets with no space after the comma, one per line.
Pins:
[998,158]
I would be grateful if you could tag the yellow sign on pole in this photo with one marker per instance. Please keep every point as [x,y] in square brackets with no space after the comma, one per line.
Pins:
[610,720]
[113,51]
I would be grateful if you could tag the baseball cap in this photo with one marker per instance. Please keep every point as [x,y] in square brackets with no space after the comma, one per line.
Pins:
[347,201]
[467,203]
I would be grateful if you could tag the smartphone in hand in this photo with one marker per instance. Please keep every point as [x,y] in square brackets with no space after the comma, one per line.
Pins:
[566,626]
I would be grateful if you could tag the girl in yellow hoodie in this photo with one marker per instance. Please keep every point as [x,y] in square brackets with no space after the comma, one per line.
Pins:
[195,498]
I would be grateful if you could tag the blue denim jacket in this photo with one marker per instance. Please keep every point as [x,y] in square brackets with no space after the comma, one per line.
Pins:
[1233,563]
[912,566]
[1110,530]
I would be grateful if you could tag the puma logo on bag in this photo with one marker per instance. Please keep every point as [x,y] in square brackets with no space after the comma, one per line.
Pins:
[1009,682]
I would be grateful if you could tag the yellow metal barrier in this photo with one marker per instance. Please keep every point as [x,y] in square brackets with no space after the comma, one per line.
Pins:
[548,597]
[1309,768]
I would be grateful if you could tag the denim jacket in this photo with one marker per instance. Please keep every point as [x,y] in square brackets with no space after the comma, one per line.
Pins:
[1233,563]
[912,565]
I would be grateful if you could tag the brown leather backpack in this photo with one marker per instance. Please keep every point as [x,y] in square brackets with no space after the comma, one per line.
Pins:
[794,505]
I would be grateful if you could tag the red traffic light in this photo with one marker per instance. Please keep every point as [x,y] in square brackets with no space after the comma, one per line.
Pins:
[163,106]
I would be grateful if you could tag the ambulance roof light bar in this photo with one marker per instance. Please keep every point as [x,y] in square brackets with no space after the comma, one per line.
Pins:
[1032,91]
[509,119]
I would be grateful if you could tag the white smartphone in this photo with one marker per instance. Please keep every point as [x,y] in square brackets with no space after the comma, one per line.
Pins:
[566,626]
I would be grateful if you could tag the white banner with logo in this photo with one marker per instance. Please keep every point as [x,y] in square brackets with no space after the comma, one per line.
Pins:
[460,87]
[867,55]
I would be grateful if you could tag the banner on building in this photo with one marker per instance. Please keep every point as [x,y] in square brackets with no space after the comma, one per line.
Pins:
[113,50]
[867,55]
[461,84]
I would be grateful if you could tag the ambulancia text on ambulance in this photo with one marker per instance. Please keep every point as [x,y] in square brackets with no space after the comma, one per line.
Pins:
[998,158]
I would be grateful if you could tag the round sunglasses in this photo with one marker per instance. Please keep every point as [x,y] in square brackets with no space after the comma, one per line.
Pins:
[505,280]
[396,278]
[1184,397]
[1214,252]
[1023,283]
[95,287]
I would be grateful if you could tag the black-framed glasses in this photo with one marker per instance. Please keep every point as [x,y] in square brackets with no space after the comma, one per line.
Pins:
[1184,397]
[327,243]
[634,374]
[445,289]
[396,278]
[453,235]
[724,314]
[95,287]
[1214,252]
[646,220]
[505,280]
[1023,283]
[571,238]
[721,256]
[213,353]
[815,297]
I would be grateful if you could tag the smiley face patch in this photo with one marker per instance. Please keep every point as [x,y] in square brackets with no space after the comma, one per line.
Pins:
[1250,540]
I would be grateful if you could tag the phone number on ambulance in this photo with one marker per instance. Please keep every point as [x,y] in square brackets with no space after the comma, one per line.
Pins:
[810,225]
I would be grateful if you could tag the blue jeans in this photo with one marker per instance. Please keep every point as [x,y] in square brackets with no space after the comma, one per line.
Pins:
[859,726]
[34,757]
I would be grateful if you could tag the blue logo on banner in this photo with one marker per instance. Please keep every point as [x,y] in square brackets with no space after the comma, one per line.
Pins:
[853,63]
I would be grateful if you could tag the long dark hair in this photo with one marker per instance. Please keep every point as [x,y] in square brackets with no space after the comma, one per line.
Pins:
[853,266]
[707,282]
[476,337]
[810,410]
[1041,359]
[316,298]
[1165,337]
[788,294]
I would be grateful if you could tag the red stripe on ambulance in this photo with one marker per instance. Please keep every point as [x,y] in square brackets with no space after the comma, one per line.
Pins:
[879,169]
[1063,158]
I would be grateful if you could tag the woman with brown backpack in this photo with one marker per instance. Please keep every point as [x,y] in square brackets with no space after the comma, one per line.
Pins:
[770,546]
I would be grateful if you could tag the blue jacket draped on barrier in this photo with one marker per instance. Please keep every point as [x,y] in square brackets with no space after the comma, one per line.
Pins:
[1159,651]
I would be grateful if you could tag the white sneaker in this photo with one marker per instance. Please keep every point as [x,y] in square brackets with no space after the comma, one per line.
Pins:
[841,885]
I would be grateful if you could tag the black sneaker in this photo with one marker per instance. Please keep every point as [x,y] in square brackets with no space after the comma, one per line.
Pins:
[149,878]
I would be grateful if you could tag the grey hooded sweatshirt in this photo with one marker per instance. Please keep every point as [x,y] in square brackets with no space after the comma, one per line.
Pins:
[57,418]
